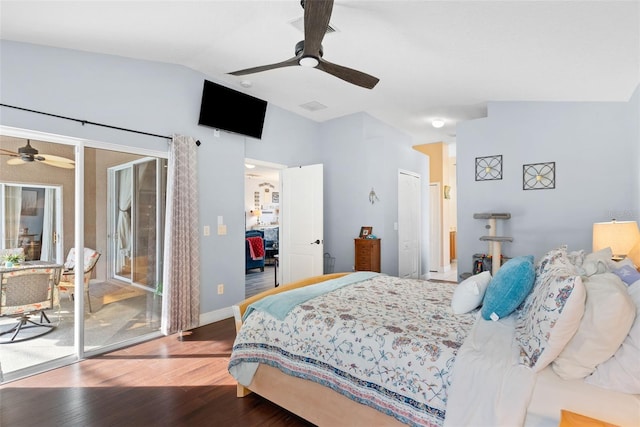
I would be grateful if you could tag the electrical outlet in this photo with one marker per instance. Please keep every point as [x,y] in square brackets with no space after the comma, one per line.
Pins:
[220,289]
[207,230]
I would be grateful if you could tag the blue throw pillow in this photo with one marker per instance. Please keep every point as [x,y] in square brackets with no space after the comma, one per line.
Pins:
[508,288]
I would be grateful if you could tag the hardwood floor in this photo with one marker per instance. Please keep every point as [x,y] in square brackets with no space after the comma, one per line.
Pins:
[257,281]
[162,382]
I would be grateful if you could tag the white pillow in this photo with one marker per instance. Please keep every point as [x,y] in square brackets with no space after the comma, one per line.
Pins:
[622,371]
[596,262]
[469,293]
[608,316]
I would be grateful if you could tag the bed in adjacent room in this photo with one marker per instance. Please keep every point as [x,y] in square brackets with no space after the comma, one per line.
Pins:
[370,349]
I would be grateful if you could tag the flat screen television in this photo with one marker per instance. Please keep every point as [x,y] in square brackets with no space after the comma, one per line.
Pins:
[227,109]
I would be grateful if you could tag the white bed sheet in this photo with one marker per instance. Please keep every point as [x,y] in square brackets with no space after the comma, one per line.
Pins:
[489,387]
[552,393]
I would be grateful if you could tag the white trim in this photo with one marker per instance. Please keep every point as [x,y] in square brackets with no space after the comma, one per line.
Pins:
[265,164]
[70,140]
[215,316]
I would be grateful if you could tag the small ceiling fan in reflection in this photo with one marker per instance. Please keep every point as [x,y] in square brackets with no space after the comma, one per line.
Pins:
[28,154]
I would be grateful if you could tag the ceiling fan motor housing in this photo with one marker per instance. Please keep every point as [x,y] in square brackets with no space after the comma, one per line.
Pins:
[300,48]
[27,153]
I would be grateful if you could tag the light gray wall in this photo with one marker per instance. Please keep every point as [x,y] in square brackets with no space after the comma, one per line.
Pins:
[360,154]
[595,147]
[165,99]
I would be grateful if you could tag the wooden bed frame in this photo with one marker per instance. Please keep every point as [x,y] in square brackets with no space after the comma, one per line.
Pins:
[307,399]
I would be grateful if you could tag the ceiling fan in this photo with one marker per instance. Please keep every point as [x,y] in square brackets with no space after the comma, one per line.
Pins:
[28,154]
[308,52]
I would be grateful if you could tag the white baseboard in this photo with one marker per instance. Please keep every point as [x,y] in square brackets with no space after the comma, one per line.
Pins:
[215,316]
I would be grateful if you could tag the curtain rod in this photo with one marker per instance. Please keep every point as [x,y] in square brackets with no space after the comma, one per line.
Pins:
[87,122]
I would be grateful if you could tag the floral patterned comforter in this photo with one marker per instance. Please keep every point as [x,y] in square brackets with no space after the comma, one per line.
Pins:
[386,342]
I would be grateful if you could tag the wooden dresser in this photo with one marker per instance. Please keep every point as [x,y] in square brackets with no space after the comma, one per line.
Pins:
[367,255]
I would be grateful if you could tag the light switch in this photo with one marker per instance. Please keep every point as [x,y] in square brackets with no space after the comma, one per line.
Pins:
[207,230]
[222,230]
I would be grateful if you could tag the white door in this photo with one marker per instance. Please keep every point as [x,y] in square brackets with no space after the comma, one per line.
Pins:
[301,238]
[435,235]
[408,225]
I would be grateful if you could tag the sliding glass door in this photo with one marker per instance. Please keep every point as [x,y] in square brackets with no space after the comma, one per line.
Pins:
[125,199]
[112,203]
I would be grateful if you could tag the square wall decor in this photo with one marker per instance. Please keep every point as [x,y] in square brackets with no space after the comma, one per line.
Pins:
[488,168]
[539,176]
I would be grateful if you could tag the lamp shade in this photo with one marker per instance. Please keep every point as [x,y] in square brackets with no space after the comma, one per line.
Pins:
[634,254]
[620,236]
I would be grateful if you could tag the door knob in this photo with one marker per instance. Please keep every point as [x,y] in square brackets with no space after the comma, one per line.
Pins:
[317,242]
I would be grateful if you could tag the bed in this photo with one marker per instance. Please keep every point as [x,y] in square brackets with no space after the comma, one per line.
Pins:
[371,349]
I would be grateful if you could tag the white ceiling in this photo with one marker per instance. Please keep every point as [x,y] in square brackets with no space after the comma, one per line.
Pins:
[435,59]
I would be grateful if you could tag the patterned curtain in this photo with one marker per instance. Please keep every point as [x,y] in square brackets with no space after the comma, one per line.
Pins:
[13,206]
[181,275]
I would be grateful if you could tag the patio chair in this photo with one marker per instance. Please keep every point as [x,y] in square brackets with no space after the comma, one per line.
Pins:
[26,292]
[67,281]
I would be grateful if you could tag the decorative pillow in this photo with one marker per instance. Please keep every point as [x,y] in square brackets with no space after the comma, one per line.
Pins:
[508,288]
[597,262]
[555,259]
[576,257]
[622,371]
[628,274]
[608,316]
[551,314]
[469,293]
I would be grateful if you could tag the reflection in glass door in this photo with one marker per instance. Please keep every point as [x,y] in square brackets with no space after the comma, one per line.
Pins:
[31,220]
[137,199]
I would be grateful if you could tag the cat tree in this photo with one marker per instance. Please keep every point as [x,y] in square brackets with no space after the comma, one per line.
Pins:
[495,242]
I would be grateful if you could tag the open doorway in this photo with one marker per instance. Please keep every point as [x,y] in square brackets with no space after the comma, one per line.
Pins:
[262,225]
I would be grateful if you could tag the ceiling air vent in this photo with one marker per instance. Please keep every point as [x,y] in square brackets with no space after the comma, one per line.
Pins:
[313,106]
[298,24]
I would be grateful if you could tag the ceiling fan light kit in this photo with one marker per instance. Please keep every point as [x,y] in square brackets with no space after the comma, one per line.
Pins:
[437,123]
[308,52]
[308,61]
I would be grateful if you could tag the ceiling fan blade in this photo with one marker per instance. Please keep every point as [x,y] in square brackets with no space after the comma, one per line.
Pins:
[57,164]
[50,157]
[348,75]
[288,63]
[8,153]
[16,161]
[317,14]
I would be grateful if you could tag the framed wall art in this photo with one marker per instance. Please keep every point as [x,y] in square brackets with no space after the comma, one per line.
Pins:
[365,232]
[489,168]
[539,176]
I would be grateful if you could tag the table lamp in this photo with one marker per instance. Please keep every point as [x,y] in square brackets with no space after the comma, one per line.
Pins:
[620,236]
[634,254]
